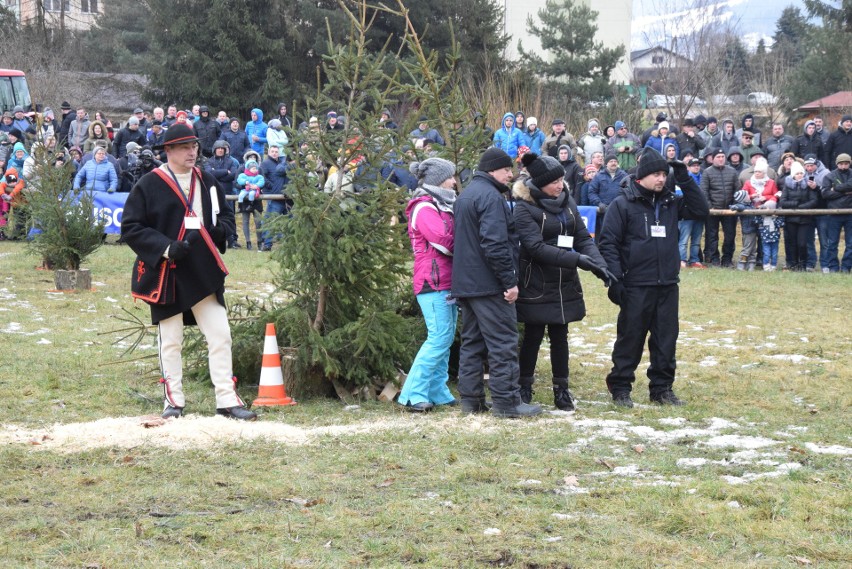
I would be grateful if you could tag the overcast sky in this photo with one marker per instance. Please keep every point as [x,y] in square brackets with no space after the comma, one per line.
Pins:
[753,19]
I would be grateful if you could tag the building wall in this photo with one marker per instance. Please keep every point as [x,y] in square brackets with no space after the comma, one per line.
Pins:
[75,18]
[614,28]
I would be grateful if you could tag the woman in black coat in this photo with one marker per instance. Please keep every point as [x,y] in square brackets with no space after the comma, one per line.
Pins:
[554,244]
[798,193]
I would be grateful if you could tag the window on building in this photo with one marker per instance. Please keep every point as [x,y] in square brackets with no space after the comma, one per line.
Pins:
[657,60]
[57,5]
[89,6]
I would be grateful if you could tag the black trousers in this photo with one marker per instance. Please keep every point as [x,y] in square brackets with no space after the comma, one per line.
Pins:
[796,238]
[711,239]
[646,309]
[530,345]
[489,333]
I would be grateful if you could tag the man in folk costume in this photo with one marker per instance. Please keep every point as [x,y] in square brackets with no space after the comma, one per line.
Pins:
[176,221]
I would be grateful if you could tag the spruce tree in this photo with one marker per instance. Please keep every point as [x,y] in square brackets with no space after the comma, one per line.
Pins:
[577,65]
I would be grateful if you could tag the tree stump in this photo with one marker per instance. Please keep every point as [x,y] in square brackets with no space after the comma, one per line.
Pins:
[311,384]
[73,280]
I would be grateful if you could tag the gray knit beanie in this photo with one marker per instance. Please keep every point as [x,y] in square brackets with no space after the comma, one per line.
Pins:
[433,171]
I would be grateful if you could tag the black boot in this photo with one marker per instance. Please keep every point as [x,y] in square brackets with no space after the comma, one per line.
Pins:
[526,384]
[562,398]
[470,406]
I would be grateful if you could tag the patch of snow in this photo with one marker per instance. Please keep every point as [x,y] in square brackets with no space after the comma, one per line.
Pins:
[739,441]
[718,424]
[780,470]
[734,505]
[529,482]
[553,539]
[685,462]
[559,516]
[602,327]
[672,421]
[110,299]
[44,342]
[492,531]
[833,449]
[709,361]
[793,358]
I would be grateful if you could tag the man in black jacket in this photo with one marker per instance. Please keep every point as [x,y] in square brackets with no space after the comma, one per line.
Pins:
[639,242]
[170,217]
[837,192]
[485,282]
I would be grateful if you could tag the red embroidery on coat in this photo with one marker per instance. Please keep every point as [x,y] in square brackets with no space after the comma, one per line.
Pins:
[140,270]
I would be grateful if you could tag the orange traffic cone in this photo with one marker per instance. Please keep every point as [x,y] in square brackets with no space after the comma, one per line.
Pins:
[271,391]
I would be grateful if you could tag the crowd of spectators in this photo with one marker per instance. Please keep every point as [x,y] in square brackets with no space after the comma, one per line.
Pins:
[806,171]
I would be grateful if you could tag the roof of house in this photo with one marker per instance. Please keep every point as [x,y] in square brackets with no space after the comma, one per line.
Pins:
[841,99]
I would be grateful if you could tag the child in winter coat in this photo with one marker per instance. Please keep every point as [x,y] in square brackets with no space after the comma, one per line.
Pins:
[10,194]
[770,234]
[251,181]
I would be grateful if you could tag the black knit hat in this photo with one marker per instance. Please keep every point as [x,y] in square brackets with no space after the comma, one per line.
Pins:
[494,159]
[542,169]
[650,161]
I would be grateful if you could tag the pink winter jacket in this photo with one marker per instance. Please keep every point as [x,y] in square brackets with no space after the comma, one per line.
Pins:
[431,233]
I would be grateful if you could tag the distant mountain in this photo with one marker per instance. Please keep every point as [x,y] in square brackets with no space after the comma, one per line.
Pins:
[753,19]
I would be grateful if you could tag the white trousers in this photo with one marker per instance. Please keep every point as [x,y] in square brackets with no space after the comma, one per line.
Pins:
[212,319]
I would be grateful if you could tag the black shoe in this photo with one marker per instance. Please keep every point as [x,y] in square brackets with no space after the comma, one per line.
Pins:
[622,400]
[470,406]
[521,410]
[526,393]
[667,398]
[562,398]
[172,412]
[422,407]
[237,412]
[248,246]
[264,248]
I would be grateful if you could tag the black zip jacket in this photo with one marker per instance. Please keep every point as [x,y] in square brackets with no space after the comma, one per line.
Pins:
[627,245]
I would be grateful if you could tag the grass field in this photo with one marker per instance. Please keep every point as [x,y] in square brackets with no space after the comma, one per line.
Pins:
[754,472]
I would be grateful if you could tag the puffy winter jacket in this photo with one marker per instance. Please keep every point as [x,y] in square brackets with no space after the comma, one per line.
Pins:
[97,176]
[804,144]
[797,195]
[719,185]
[549,287]
[431,232]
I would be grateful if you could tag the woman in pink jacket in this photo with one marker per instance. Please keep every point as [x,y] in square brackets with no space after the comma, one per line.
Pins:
[430,228]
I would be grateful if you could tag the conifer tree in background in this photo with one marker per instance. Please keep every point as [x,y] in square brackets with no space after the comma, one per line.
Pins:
[577,66]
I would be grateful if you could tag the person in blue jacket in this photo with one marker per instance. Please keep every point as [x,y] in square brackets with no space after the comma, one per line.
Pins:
[533,137]
[604,188]
[97,174]
[256,131]
[662,137]
[508,138]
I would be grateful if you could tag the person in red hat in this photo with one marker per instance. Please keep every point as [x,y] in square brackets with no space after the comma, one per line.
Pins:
[176,221]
